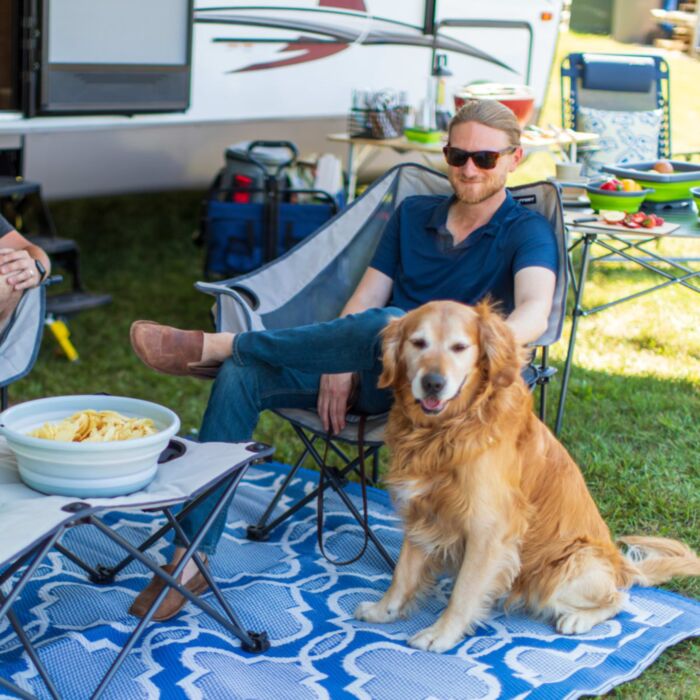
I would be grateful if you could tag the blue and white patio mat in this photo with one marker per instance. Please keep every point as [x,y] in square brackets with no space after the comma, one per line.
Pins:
[305,604]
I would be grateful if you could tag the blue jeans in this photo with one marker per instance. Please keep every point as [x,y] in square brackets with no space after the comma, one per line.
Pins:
[282,369]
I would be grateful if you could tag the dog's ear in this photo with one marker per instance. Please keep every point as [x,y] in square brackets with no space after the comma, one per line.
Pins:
[499,350]
[391,344]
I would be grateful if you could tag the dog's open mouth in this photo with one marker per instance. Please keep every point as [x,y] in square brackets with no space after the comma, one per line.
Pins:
[432,405]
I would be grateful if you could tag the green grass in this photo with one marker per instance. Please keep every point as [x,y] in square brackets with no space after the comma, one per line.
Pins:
[632,414]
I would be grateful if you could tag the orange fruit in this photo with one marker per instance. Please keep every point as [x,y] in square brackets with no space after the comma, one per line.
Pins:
[663,166]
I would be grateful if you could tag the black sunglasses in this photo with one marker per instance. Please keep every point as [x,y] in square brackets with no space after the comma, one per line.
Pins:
[484,160]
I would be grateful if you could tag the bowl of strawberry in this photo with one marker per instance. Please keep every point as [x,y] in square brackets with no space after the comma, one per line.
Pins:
[613,195]
[640,219]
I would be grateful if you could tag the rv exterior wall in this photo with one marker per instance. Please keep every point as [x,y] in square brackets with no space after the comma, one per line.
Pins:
[155,158]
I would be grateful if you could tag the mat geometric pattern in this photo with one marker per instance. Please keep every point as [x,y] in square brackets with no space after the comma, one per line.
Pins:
[318,650]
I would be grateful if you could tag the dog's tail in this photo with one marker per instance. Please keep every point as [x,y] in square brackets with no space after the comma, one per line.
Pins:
[654,560]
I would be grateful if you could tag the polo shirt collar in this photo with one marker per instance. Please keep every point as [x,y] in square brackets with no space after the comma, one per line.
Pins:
[438,219]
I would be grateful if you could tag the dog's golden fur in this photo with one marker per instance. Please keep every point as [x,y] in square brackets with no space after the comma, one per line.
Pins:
[486,491]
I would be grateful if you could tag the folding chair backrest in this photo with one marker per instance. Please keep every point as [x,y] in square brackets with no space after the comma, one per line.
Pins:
[616,82]
[314,280]
[21,338]
[544,198]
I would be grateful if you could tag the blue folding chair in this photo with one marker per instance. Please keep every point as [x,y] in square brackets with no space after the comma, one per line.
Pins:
[623,98]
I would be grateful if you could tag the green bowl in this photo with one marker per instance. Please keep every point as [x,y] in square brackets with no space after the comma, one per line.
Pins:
[668,187]
[611,200]
[666,191]
[695,191]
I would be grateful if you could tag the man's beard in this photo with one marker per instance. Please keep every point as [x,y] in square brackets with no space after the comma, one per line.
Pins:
[485,189]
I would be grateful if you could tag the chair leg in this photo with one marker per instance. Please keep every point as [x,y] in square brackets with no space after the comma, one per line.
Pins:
[338,488]
[543,386]
[333,478]
[260,532]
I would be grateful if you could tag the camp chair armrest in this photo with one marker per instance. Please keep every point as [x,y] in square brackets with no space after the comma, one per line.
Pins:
[234,309]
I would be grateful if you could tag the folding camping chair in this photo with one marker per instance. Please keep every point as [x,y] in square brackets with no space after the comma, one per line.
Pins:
[623,98]
[20,339]
[189,473]
[312,283]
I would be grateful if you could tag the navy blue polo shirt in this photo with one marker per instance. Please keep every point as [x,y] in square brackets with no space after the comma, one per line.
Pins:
[417,252]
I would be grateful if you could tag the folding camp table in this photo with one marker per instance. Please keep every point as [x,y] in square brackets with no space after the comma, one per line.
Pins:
[627,245]
[189,472]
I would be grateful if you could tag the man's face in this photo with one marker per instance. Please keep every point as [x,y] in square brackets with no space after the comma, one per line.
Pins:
[471,184]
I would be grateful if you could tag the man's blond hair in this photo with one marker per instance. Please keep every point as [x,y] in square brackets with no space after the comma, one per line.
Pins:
[489,113]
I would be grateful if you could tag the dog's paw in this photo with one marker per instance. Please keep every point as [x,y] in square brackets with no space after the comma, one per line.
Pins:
[435,638]
[576,623]
[372,611]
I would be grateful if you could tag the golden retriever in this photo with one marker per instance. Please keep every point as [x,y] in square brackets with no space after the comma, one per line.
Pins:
[487,492]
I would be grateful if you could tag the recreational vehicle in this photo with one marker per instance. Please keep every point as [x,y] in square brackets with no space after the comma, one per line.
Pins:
[122,95]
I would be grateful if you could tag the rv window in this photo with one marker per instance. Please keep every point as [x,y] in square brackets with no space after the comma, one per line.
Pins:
[116,56]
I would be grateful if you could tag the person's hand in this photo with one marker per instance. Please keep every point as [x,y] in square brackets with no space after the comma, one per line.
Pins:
[333,395]
[19,269]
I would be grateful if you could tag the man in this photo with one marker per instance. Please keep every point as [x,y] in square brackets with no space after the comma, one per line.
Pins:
[22,266]
[476,243]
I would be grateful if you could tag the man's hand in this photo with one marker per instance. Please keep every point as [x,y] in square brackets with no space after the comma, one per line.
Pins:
[19,269]
[333,395]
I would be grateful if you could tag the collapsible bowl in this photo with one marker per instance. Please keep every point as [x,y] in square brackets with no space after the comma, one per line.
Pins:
[85,469]
[615,200]
[667,187]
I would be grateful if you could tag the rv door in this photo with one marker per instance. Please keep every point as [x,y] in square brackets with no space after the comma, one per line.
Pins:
[111,56]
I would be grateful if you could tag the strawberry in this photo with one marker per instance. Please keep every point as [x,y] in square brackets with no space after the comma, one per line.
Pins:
[659,220]
[639,218]
[631,224]
[649,222]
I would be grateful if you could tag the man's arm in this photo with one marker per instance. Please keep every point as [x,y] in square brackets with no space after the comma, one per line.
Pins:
[534,291]
[373,291]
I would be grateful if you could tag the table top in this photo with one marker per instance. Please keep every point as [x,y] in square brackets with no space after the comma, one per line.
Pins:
[31,515]
[686,217]
[531,141]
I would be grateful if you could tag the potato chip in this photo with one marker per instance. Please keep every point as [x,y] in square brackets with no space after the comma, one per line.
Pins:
[95,426]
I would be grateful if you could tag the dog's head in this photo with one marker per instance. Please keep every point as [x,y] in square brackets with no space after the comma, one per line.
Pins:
[440,357]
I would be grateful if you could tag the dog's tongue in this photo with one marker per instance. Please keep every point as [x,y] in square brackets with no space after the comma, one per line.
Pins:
[431,403]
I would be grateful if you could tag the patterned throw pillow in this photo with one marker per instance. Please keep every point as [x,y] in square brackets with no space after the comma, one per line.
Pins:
[625,137]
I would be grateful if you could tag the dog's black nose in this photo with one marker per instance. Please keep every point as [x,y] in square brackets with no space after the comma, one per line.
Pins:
[432,383]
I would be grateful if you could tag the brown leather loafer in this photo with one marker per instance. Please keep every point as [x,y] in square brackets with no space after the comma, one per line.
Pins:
[173,601]
[170,350]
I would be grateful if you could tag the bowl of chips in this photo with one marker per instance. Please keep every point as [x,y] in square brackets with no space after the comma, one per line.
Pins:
[88,445]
